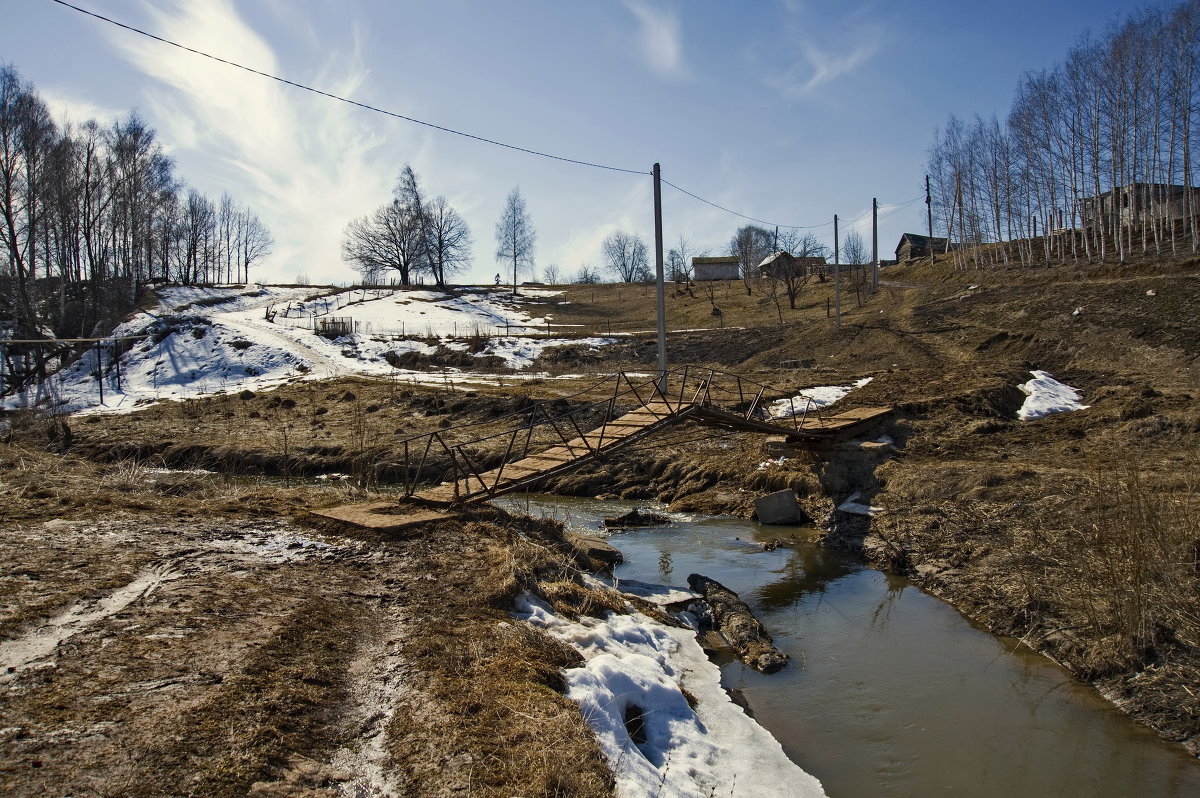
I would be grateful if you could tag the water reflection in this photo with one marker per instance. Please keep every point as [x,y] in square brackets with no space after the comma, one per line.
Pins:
[808,571]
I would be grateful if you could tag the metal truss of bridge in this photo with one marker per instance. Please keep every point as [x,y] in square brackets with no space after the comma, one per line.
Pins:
[555,436]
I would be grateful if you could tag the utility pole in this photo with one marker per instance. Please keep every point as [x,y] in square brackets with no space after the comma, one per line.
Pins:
[874,243]
[929,215]
[661,293]
[837,278]
[100,371]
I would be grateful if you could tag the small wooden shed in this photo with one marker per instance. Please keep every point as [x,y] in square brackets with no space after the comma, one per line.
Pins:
[724,267]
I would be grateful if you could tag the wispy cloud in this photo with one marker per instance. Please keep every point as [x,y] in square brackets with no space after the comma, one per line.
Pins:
[304,163]
[583,243]
[819,61]
[69,107]
[660,36]
[819,66]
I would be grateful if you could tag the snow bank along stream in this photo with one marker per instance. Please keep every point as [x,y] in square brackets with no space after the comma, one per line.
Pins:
[889,691]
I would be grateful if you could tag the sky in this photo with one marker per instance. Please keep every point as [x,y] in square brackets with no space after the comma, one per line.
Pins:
[786,111]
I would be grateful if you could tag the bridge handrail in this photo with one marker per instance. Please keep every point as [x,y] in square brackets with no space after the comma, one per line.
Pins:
[675,388]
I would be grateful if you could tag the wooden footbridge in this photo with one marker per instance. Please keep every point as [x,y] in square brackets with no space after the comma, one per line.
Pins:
[555,436]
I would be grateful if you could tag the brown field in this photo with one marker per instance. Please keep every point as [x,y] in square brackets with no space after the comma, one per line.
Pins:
[216,642]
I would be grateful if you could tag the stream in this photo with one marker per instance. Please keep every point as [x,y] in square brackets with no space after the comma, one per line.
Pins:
[891,691]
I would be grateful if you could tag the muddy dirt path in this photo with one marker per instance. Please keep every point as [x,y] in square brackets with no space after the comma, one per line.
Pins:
[235,645]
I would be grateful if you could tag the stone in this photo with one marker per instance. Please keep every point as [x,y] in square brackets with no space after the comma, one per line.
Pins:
[778,508]
[601,554]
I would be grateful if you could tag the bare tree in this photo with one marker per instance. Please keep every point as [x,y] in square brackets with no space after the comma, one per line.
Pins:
[515,236]
[448,238]
[806,251]
[855,254]
[551,275]
[679,260]
[750,245]
[587,275]
[625,255]
[395,237]
[254,242]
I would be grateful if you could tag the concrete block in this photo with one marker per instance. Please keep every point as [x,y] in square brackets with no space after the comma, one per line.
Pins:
[778,508]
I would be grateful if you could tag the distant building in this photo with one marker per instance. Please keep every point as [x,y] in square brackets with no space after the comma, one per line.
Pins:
[781,264]
[1139,202]
[914,246]
[724,267]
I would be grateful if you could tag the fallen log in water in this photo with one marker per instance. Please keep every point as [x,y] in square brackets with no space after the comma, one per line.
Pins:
[733,619]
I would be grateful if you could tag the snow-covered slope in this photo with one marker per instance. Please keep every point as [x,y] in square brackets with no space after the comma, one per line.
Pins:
[207,340]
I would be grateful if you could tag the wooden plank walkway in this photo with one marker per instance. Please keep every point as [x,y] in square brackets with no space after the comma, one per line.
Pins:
[635,425]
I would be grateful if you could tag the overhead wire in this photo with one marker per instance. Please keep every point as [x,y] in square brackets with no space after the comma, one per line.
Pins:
[347,100]
[445,129]
[742,215]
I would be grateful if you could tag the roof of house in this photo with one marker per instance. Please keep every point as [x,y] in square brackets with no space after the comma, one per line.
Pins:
[918,240]
[722,259]
[802,260]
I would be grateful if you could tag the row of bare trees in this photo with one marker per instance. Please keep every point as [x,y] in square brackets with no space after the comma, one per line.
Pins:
[1096,158]
[90,212]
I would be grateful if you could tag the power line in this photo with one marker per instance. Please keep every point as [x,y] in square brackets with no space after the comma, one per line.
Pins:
[339,98]
[742,215]
[445,129]
[860,217]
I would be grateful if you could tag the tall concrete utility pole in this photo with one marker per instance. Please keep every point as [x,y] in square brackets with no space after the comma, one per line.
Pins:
[874,243]
[661,293]
[837,278]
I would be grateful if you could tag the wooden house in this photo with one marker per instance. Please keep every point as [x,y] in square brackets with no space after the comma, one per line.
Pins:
[914,246]
[783,264]
[724,267]
[1139,202]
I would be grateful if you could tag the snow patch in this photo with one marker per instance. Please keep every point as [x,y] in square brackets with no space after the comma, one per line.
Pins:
[1047,396]
[638,667]
[812,399]
[210,340]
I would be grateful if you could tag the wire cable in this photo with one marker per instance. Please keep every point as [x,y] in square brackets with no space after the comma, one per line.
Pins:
[445,129]
[339,98]
[735,213]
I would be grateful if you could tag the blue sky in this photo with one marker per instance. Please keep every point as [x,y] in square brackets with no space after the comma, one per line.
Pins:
[784,110]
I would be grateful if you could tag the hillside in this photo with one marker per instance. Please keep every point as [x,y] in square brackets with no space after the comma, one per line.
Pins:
[1075,532]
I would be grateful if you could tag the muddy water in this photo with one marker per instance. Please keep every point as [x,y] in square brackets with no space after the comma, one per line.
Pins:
[890,691]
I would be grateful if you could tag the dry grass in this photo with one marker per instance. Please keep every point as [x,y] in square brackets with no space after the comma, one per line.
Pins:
[492,684]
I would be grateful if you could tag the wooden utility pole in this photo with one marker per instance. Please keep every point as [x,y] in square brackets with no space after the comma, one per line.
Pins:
[661,298]
[837,278]
[929,216]
[874,243]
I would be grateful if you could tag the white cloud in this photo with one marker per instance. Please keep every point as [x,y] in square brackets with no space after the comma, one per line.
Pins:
[660,36]
[304,163]
[67,107]
[820,60]
[818,66]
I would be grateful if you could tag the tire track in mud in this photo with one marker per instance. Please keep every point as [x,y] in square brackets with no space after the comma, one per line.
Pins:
[375,689]
[40,643]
